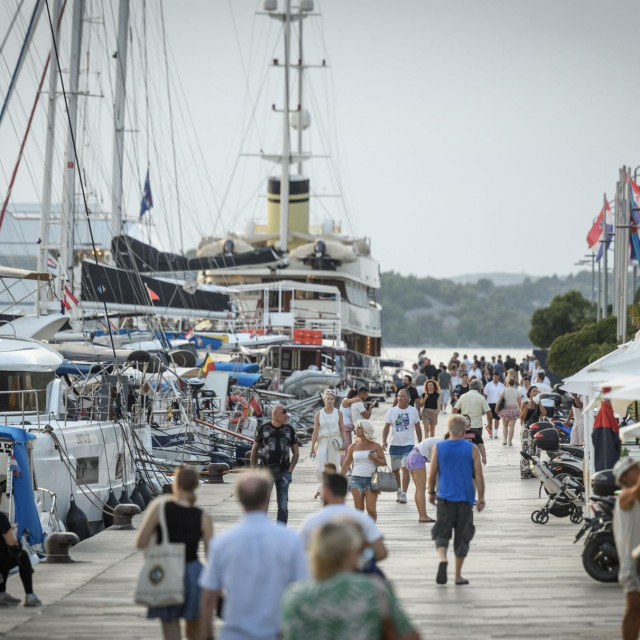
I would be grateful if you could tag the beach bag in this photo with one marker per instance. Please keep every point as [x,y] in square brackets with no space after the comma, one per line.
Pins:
[384,481]
[161,580]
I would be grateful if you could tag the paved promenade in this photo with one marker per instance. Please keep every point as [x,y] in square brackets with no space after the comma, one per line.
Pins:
[527,580]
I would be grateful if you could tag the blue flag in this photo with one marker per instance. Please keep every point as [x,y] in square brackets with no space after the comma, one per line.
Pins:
[147,199]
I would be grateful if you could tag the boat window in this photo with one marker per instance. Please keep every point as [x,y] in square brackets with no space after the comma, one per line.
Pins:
[87,470]
[119,466]
[21,391]
[357,294]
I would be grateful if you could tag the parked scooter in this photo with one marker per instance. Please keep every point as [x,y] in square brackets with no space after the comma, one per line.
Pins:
[599,556]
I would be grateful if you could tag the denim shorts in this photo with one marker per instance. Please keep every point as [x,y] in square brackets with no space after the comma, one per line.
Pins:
[362,483]
[398,455]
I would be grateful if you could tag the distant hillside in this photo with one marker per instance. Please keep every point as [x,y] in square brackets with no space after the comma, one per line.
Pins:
[432,312]
[498,279]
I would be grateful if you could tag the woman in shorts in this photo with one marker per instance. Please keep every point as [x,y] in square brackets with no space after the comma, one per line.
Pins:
[430,405]
[417,465]
[364,456]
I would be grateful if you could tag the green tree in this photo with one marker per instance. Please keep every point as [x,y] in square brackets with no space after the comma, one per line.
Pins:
[567,313]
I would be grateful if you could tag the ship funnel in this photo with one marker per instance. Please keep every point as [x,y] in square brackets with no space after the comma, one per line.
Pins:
[298,207]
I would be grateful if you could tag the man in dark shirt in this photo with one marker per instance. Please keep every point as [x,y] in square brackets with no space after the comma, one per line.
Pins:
[13,555]
[410,389]
[473,436]
[461,388]
[429,370]
[272,443]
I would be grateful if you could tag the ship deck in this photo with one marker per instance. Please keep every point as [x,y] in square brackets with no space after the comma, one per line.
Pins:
[526,580]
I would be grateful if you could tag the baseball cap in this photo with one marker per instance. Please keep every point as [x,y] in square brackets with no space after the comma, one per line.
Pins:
[622,466]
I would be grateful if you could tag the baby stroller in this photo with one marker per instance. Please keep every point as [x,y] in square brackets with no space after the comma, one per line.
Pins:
[565,494]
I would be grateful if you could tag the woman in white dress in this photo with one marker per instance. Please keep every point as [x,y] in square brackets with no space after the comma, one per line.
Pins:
[328,434]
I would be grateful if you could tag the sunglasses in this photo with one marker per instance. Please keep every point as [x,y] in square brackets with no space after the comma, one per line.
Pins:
[283,411]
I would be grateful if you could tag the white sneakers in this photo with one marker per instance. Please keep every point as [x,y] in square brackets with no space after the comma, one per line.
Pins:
[402,497]
[32,600]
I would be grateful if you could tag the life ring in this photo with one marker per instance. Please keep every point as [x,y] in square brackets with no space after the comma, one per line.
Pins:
[245,409]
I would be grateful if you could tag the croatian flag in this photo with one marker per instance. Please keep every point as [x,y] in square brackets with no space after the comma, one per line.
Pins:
[51,264]
[14,466]
[68,299]
[634,231]
[597,237]
[147,198]
[189,333]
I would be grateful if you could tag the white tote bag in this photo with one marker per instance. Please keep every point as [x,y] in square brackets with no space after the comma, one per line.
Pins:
[161,581]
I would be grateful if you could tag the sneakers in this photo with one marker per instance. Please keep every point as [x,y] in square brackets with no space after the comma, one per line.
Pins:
[8,601]
[398,495]
[504,442]
[402,498]
[32,600]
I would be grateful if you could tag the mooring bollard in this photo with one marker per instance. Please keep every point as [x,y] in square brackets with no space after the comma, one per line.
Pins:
[58,545]
[167,488]
[216,471]
[122,516]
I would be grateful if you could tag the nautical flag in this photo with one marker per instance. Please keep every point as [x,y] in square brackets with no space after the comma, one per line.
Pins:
[152,294]
[51,263]
[207,365]
[68,299]
[14,466]
[634,231]
[147,198]
[596,236]
[189,333]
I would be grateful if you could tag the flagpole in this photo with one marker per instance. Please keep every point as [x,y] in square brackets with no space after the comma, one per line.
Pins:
[605,249]
[599,297]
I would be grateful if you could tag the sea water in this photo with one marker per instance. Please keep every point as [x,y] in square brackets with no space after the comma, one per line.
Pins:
[437,355]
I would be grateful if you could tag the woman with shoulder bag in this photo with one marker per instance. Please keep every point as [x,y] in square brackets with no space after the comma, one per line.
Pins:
[365,455]
[510,409]
[185,524]
[530,412]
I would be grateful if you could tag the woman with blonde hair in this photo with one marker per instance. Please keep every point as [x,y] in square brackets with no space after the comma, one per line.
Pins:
[338,602]
[187,524]
[511,409]
[364,455]
[328,433]
[430,404]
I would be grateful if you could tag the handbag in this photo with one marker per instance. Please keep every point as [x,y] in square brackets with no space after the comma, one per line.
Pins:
[338,441]
[383,480]
[500,405]
[161,580]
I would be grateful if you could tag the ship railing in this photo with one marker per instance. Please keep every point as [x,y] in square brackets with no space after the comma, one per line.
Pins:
[92,405]
[29,407]
[54,521]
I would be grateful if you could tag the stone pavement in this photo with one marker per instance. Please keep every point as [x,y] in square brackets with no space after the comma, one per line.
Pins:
[527,580]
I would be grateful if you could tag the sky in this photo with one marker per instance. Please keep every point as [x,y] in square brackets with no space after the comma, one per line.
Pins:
[469,136]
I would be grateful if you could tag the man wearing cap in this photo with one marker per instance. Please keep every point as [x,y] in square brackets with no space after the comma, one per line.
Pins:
[626,531]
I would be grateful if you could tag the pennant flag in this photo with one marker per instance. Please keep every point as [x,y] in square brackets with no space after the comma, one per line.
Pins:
[147,199]
[152,294]
[14,466]
[601,233]
[207,365]
[189,333]
[68,299]
[51,264]
[634,231]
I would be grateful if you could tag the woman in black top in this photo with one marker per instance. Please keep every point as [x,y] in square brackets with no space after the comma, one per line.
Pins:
[530,412]
[187,524]
[430,405]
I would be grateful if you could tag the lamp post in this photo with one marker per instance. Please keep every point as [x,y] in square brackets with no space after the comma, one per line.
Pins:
[593,279]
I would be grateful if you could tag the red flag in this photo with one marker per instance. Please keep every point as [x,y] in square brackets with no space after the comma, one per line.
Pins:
[189,333]
[595,232]
[152,294]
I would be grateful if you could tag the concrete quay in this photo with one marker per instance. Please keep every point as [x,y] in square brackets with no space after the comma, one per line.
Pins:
[526,580]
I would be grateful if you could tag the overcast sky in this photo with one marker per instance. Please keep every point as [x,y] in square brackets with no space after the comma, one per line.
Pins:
[474,136]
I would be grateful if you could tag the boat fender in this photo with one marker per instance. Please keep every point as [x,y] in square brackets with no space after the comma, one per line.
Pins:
[124,497]
[145,492]
[76,521]
[245,409]
[137,499]
[255,405]
[108,509]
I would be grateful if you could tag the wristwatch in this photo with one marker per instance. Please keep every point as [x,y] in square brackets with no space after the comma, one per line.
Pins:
[432,493]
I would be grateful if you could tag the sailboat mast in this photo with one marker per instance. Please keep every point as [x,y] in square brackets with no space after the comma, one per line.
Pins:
[286,142]
[65,264]
[118,108]
[300,94]
[45,214]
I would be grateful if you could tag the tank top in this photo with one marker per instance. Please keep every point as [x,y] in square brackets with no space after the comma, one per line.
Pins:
[184,525]
[455,471]
[431,400]
[362,465]
[346,415]
[329,423]
[511,395]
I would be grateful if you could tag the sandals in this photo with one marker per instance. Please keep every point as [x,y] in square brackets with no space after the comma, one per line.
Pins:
[441,578]
[427,521]
[460,581]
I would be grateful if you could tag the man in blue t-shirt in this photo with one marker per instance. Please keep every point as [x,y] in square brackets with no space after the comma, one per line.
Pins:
[455,465]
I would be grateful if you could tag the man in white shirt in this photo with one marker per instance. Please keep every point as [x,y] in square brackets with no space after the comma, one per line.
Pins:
[492,391]
[334,491]
[359,410]
[254,563]
[474,405]
[402,419]
[475,372]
